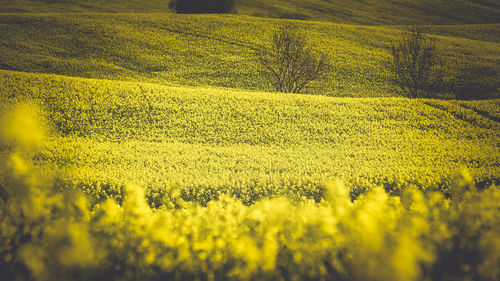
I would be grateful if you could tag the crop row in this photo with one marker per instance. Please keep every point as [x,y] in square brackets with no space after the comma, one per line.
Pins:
[53,234]
[252,145]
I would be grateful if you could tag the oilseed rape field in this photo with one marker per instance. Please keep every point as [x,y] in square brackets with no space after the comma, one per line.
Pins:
[140,144]
[220,51]
[252,144]
[141,181]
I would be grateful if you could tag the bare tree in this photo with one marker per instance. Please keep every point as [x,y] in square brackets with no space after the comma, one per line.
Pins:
[414,61]
[290,64]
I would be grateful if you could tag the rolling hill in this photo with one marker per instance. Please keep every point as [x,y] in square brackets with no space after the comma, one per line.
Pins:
[219,50]
[371,12]
[377,12]
[211,141]
[138,144]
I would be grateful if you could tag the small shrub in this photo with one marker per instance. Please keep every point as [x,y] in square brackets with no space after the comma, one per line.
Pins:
[201,6]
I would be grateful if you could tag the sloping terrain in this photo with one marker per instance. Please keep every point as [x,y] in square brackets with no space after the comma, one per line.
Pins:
[252,144]
[378,12]
[478,32]
[137,144]
[219,50]
[371,12]
[83,6]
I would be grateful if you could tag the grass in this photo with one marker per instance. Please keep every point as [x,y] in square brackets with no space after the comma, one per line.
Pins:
[252,145]
[83,6]
[378,12]
[218,50]
[477,32]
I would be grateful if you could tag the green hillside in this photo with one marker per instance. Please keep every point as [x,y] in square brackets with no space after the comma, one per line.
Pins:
[479,32]
[372,12]
[378,12]
[215,50]
[83,6]
[252,144]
